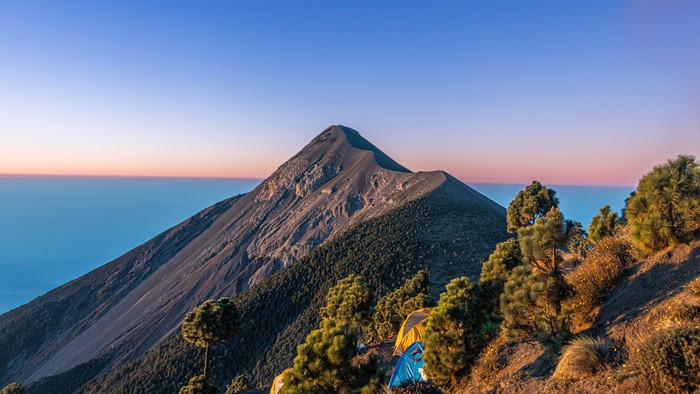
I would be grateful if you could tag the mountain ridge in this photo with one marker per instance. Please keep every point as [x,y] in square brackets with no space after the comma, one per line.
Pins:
[336,181]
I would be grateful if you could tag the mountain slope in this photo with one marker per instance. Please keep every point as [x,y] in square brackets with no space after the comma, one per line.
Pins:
[444,231]
[123,309]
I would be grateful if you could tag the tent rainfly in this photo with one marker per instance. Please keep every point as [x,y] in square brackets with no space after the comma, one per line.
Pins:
[409,368]
[277,384]
[411,330]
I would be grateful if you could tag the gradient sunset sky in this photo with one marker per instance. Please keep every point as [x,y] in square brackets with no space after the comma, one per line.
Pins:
[593,92]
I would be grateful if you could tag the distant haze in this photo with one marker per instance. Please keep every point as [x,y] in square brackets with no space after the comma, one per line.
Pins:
[588,93]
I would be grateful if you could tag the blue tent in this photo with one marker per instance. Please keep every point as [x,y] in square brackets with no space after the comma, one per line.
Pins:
[409,368]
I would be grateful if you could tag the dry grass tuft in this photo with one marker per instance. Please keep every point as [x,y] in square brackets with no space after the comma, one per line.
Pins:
[583,357]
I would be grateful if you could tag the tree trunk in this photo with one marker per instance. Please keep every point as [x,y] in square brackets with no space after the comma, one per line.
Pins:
[206,360]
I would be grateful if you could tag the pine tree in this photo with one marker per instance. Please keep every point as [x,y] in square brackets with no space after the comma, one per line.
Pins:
[392,309]
[504,258]
[665,209]
[524,306]
[495,272]
[210,323]
[199,385]
[529,204]
[325,364]
[349,302]
[13,388]
[576,238]
[539,245]
[452,333]
[604,224]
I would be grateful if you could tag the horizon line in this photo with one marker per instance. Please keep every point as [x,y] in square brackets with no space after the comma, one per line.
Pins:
[112,176]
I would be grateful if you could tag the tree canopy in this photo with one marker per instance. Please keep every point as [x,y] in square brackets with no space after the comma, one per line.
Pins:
[665,209]
[529,204]
[215,321]
[349,302]
[604,224]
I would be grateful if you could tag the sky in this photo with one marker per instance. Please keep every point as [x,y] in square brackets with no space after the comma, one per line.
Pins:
[592,93]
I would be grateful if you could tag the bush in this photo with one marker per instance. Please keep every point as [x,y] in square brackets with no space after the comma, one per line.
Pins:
[582,357]
[237,385]
[13,388]
[597,275]
[199,385]
[670,361]
[665,209]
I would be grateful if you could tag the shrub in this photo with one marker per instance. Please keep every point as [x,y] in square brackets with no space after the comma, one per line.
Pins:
[665,209]
[670,361]
[392,309]
[199,385]
[582,357]
[13,388]
[237,385]
[597,275]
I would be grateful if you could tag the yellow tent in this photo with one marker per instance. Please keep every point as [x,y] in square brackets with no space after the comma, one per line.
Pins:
[277,384]
[411,330]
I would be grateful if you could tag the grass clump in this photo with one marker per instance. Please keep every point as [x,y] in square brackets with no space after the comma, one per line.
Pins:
[583,357]
[670,361]
[597,276]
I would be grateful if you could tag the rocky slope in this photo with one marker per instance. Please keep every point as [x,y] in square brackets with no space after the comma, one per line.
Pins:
[123,309]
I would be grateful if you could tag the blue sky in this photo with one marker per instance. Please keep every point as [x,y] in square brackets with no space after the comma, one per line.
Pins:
[503,91]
